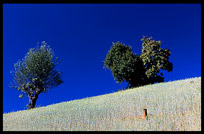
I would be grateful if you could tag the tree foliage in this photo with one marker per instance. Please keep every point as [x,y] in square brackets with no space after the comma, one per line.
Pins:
[155,59]
[140,69]
[36,73]
[125,65]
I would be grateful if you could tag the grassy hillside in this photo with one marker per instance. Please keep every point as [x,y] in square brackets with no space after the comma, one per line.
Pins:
[171,106]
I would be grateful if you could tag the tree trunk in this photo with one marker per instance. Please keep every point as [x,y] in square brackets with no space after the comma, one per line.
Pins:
[33,101]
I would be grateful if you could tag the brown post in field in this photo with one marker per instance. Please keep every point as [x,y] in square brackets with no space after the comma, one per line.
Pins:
[145,113]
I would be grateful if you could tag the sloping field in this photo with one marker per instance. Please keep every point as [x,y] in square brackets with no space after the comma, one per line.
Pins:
[171,106]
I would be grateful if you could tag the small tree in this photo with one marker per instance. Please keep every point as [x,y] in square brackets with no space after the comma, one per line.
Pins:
[155,59]
[36,73]
[125,65]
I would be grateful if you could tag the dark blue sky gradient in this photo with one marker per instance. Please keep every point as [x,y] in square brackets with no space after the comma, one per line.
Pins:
[82,34]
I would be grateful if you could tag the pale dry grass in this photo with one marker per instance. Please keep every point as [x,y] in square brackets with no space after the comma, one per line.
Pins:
[172,106]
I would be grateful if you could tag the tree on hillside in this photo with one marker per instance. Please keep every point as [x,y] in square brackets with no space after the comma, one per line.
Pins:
[125,65]
[36,73]
[140,69]
[155,59]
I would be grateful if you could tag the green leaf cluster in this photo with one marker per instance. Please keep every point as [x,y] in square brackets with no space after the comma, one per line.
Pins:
[138,70]
[155,59]
[125,65]
[36,72]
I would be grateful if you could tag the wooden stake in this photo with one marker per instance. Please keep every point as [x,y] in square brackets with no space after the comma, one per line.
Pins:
[145,113]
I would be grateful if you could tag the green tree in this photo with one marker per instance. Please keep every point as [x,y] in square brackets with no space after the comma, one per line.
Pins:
[125,65]
[140,69]
[36,73]
[155,59]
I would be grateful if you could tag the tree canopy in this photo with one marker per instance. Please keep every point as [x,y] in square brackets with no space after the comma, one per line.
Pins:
[155,59]
[36,73]
[125,65]
[138,70]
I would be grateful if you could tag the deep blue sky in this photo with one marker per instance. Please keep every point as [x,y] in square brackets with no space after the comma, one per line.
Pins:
[82,34]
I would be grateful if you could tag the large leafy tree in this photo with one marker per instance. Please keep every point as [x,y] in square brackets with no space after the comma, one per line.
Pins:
[125,65]
[140,69]
[36,73]
[155,59]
